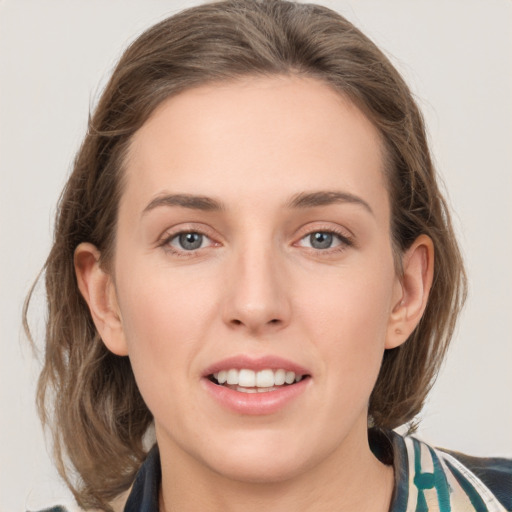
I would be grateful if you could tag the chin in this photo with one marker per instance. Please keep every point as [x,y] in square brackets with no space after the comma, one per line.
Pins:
[267,470]
[260,461]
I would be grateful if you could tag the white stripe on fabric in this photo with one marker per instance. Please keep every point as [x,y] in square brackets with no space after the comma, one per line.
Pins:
[459,500]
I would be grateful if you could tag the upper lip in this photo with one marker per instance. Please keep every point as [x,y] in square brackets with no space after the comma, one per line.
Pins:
[255,363]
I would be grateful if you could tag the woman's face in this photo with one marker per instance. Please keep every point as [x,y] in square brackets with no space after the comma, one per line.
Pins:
[253,241]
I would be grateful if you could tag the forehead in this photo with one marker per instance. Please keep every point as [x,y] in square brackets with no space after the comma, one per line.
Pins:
[252,138]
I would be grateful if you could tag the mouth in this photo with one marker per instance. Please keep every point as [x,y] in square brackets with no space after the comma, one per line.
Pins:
[267,380]
[256,385]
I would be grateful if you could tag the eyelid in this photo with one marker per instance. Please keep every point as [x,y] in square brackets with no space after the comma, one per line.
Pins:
[344,235]
[171,233]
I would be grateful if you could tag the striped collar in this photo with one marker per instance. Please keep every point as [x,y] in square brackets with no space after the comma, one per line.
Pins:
[432,479]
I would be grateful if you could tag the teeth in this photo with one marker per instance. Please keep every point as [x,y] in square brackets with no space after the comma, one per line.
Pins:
[289,378]
[265,379]
[246,378]
[248,390]
[249,380]
[232,377]
[279,377]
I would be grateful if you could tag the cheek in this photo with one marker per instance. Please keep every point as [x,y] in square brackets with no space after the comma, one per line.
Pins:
[165,320]
[351,305]
[348,319]
[161,305]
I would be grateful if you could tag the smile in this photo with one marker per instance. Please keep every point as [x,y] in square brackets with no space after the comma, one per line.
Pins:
[256,385]
[250,381]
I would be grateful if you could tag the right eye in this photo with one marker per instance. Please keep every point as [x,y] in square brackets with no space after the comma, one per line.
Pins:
[188,241]
[322,240]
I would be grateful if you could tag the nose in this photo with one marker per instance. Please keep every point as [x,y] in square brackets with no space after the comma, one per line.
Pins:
[257,299]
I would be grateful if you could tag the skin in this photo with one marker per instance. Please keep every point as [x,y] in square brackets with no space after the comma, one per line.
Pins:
[257,286]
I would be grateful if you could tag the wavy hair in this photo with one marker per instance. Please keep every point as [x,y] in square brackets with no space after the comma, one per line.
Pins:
[87,395]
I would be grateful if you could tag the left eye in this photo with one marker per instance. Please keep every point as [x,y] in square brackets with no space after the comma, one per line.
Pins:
[321,240]
[189,241]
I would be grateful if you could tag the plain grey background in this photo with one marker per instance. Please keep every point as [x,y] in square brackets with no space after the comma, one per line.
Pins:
[457,57]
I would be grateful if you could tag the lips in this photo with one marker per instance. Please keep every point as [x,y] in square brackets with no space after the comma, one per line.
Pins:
[254,386]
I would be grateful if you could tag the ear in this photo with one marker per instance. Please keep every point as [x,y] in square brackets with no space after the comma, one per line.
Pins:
[98,290]
[412,291]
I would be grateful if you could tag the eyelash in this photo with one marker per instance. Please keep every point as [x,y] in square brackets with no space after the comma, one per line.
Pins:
[344,242]
[184,253]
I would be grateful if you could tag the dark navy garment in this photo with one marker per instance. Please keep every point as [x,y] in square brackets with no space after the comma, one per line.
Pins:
[427,479]
[145,490]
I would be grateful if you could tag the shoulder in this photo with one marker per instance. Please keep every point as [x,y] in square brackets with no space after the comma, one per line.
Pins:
[494,472]
[455,481]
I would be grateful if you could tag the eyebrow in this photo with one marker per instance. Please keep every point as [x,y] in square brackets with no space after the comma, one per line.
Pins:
[193,202]
[302,200]
[325,198]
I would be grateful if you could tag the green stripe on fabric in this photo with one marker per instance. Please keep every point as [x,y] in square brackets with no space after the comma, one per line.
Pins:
[421,480]
[436,480]
[441,483]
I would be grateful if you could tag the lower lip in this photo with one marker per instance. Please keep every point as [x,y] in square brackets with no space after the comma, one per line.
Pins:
[255,403]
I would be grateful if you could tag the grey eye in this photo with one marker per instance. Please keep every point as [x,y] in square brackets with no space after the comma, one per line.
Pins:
[189,241]
[321,240]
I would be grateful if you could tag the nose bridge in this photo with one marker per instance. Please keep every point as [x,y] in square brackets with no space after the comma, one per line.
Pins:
[256,297]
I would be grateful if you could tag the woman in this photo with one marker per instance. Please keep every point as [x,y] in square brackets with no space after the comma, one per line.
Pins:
[252,255]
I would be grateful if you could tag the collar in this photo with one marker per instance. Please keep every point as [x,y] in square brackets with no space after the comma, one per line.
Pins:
[145,490]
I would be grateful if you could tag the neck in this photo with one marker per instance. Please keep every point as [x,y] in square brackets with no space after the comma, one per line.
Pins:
[340,482]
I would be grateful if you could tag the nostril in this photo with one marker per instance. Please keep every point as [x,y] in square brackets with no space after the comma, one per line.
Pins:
[237,322]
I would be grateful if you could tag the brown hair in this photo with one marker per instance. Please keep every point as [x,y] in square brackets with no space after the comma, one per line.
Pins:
[98,417]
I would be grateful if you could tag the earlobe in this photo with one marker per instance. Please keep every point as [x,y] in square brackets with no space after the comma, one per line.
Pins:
[97,288]
[415,284]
